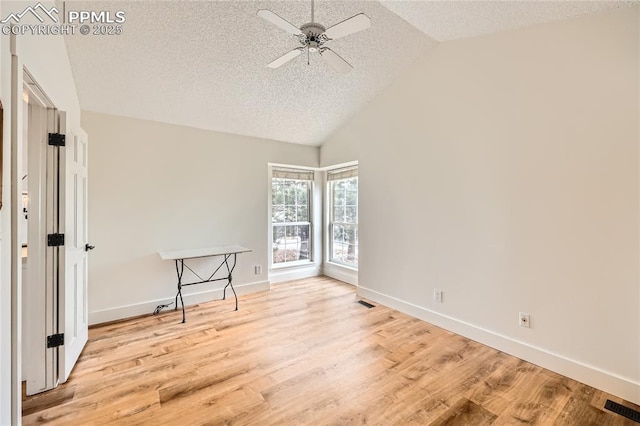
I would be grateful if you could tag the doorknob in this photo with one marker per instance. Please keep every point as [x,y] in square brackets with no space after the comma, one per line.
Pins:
[87,247]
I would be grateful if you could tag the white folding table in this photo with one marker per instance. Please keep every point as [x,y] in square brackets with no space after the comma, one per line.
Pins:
[227,253]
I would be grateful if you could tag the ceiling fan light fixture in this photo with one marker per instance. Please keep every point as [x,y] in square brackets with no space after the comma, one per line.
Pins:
[313,36]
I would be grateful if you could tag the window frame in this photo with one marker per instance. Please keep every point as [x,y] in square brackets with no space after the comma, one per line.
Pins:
[332,222]
[310,241]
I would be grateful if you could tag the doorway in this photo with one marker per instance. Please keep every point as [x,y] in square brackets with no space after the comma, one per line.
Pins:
[54,189]
[39,197]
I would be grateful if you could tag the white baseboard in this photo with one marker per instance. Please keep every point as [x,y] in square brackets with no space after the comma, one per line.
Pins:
[607,381]
[347,275]
[293,273]
[128,311]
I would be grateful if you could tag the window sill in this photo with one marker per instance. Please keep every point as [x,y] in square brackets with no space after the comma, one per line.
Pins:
[342,265]
[292,265]
[293,272]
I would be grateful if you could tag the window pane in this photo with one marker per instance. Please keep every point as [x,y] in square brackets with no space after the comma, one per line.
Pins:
[303,214]
[290,214]
[303,233]
[351,198]
[351,184]
[292,244]
[278,233]
[349,234]
[291,231]
[278,214]
[290,194]
[339,250]
[278,244]
[290,206]
[277,195]
[338,197]
[344,238]
[338,233]
[351,256]
[351,214]
[302,193]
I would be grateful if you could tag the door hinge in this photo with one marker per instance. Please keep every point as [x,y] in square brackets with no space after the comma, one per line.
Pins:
[56,139]
[55,240]
[55,340]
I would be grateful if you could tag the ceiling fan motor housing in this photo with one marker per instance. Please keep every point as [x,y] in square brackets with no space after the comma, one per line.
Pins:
[313,36]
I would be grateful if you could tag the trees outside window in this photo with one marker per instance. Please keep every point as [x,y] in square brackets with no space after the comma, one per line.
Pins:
[290,216]
[343,227]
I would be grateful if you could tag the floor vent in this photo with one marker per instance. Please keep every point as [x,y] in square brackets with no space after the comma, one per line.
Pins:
[367,304]
[627,412]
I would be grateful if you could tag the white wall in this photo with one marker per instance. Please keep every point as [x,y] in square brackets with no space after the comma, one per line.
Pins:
[343,147]
[156,186]
[46,58]
[507,166]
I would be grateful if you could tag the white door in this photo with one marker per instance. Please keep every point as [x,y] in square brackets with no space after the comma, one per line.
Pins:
[72,305]
[57,310]
[38,290]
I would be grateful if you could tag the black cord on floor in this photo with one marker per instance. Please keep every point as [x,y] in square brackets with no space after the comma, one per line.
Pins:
[160,308]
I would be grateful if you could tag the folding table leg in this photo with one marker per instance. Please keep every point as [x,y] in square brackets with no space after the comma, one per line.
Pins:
[179,272]
[230,277]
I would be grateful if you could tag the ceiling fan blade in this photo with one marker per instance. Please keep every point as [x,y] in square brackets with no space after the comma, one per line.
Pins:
[286,57]
[279,21]
[335,61]
[348,26]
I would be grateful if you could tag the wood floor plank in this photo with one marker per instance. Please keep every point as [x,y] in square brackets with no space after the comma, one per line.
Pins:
[465,412]
[305,352]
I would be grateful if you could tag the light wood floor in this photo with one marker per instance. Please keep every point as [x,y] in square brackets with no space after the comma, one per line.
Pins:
[306,353]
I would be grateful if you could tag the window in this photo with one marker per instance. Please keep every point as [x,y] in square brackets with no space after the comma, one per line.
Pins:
[291,216]
[343,226]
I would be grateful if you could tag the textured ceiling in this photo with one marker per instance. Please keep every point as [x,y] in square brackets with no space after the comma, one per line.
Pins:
[449,20]
[203,63]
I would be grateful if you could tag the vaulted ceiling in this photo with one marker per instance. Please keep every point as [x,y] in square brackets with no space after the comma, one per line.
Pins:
[203,63]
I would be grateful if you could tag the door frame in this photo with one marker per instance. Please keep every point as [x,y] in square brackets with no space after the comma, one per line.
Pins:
[16,248]
[41,363]
[52,216]
[21,78]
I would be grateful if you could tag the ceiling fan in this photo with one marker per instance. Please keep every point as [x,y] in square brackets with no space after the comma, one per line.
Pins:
[312,36]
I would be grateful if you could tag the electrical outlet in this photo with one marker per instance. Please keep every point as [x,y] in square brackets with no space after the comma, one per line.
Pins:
[258,269]
[524,320]
[437,295]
